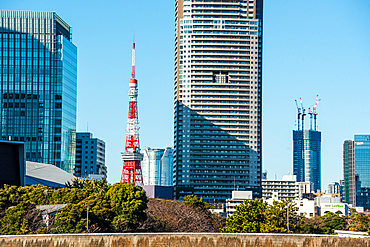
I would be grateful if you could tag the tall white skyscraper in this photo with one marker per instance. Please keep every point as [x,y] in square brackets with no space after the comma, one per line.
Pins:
[218,90]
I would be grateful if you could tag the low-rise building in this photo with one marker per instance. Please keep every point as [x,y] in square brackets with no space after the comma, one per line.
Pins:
[305,190]
[238,197]
[334,208]
[287,187]
[330,203]
[46,174]
[306,207]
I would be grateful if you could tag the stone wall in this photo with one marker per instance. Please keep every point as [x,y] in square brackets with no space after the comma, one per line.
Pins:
[180,240]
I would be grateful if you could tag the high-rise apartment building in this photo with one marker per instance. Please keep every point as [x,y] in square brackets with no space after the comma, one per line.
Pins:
[157,166]
[356,171]
[218,90]
[90,155]
[38,88]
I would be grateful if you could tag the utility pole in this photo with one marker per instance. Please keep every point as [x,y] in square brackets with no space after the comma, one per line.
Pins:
[287,215]
[87,222]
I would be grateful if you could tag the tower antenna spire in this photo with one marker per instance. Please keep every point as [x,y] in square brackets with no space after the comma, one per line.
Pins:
[133,58]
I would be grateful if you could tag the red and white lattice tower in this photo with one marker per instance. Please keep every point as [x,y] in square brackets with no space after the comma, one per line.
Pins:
[131,172]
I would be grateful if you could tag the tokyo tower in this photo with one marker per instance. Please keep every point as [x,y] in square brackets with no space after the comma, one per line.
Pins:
[131,172]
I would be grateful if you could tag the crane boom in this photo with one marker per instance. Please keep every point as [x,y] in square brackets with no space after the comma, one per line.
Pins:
[317,102]
[299,114]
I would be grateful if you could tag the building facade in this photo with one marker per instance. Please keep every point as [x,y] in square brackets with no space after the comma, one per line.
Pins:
[307,156]
[334,188]
[349,172]
[39,86]
[362,170]
[356,167]
[285,188]
[90,155]
[305,189]
[157,167]
[218,98]
[237,198]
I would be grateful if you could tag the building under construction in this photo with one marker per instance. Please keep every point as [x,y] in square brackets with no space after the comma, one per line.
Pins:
[307,147]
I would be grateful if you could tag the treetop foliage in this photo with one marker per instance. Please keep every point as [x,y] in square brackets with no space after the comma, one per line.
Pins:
[119,207]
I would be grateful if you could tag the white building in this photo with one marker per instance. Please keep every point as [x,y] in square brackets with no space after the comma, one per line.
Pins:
[238,197]
[334,208]
[306,207]
[329,203]
[304,188]
[287,187]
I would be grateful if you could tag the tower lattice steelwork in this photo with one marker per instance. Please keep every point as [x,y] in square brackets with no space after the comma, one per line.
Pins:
[131,172]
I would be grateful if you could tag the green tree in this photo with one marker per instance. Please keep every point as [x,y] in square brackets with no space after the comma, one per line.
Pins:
[14,195]
[314,225]
[333,221]
[278,215]
[21,219]
[257,216]
[79,195]
[249,217]
[128,202]
[358,221]
[194,201]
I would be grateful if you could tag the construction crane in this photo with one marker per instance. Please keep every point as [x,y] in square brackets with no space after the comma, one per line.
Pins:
[303,113]
[131,172]
[310,113]
[299,113]
[314,109]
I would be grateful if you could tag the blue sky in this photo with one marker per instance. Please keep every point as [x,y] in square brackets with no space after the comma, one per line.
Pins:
[310,47]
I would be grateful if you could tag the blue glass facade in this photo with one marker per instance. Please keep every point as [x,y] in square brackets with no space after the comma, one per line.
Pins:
[362,170]
[39,85]
[307,156]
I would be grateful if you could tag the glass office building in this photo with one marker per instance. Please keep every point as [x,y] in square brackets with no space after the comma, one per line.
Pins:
[157,166]
[218,98]
[307,156]
[362,170]
[39,85]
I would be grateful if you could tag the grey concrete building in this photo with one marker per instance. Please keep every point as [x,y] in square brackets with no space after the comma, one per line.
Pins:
[90,155]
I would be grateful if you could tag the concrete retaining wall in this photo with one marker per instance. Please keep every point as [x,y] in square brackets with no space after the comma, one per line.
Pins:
[179,240]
